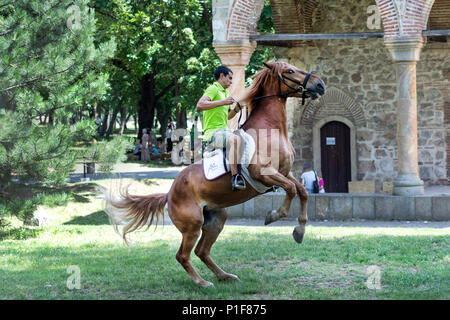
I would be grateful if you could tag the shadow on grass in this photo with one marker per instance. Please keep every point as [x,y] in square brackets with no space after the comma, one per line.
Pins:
[20,233]
[24,191]
[95,219]
[266,268]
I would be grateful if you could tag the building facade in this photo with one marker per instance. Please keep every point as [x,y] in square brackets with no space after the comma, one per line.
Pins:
[386,114]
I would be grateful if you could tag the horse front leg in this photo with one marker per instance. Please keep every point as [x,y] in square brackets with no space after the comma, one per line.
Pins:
[299,231]
[273,177]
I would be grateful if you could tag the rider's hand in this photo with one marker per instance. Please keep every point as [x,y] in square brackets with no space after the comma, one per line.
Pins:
[228,101]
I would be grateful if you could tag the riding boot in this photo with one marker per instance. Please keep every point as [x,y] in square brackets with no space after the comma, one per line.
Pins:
[237,182]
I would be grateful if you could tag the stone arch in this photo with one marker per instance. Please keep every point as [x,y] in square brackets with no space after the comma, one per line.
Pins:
[333,97]
[317,155]
[243,19]
[404,17]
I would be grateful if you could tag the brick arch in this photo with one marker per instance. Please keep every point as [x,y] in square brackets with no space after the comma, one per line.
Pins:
[337,99]
[438,18]
[404,17]
[243,19]
[306,11]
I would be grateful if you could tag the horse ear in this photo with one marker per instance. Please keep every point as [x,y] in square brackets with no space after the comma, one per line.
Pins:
[268,65]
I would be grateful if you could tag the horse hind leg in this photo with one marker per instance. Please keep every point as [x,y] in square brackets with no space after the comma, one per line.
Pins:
[214,220]
[189,221]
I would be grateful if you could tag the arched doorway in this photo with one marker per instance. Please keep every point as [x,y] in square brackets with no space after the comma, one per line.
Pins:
[335,156]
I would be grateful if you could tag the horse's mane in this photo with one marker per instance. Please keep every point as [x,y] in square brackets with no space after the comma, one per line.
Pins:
[264,80]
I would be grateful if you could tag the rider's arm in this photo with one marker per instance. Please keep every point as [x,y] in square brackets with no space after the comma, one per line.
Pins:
[205,103]
[233,111]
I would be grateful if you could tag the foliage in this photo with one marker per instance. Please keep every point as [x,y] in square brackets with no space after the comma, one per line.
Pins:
[108,153]
[49,66]
[158,43]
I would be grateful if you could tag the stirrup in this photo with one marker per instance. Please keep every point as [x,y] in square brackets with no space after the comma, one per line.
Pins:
[235,185]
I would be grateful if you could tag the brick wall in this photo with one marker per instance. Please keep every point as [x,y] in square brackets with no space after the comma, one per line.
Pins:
[439,15]
[243,20]
[403,18]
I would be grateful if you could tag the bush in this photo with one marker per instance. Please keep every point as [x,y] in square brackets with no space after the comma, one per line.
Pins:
[107,153]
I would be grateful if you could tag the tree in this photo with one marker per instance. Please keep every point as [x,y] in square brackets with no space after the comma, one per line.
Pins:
[49,66]
[157,42]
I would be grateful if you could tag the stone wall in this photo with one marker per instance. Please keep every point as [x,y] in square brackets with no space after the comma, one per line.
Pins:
[335,206]
[363,71]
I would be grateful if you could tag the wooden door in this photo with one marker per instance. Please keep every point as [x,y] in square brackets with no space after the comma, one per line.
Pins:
[335,151]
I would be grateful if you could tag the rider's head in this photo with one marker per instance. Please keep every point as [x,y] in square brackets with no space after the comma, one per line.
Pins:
[224,76]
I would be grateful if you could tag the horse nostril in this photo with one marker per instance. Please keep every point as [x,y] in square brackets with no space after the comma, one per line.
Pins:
[320,88]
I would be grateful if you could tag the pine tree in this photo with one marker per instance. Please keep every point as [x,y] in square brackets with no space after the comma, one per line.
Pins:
[49,67]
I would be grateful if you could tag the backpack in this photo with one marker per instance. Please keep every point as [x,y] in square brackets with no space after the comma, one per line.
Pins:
[315,184]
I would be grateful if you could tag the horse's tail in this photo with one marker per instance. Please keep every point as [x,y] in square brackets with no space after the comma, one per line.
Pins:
[134,211]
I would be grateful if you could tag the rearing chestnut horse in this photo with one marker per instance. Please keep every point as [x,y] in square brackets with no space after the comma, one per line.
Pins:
[266,99]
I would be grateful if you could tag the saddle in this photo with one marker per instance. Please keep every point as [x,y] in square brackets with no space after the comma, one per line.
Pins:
[215,163]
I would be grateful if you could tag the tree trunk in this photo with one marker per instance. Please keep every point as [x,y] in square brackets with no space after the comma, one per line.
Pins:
[180,111]
[112,122]
[50,117]
[123,119]
[147,103]
[163,118]
[105,121]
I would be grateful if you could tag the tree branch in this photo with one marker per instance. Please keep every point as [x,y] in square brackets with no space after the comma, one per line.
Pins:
[164,91]
[119,64]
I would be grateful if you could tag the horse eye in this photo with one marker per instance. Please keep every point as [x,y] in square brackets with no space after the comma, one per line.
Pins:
[291,71]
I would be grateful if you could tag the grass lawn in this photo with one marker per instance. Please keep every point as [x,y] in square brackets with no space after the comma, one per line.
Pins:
[332,262]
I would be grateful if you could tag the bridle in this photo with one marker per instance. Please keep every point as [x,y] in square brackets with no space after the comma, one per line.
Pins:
[301,88]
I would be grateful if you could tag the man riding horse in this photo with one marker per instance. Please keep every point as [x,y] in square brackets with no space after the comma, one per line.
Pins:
[196,205]
[215,104]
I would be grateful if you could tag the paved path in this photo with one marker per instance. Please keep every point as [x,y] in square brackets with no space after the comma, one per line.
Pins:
[128,170]
[141,171]
[287,222]
[161,174]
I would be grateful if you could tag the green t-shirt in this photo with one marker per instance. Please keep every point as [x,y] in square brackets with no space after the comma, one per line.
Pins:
[216,118]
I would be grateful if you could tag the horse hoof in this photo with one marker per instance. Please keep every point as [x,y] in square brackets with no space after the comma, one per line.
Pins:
[298,236]
[269,217]
[230,276]
[206,284]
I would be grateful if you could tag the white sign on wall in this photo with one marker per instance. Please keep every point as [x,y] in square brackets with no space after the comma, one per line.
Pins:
[331,141]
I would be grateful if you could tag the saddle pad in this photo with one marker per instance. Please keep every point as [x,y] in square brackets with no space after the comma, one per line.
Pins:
[213,165]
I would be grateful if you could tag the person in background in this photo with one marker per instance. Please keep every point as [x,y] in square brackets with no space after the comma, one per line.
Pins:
[137,148]
[321,182]
[98,123]
[160,146]
[145,149]
[308,177]
[169,137]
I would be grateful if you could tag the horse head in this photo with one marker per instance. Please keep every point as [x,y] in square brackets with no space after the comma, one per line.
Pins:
[294,82]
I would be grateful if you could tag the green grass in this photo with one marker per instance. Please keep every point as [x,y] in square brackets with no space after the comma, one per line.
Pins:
[330,264]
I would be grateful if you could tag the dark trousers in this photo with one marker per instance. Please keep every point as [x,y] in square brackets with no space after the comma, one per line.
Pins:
[169,145]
